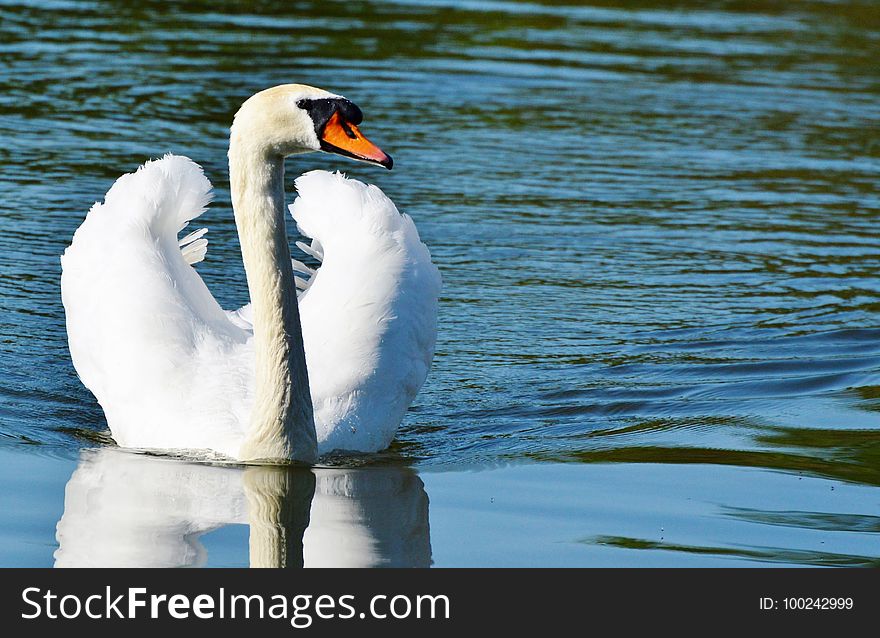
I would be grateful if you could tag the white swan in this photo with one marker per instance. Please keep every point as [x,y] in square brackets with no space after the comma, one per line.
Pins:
[277,379]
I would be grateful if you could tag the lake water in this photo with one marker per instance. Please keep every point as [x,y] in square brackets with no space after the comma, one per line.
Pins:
[657,225]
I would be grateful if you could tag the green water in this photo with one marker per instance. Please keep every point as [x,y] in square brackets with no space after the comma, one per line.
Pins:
[656,224]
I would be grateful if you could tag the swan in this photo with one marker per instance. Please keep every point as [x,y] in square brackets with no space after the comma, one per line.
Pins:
[282,378]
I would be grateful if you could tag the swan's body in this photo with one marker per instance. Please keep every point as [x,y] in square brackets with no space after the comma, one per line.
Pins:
[172,370]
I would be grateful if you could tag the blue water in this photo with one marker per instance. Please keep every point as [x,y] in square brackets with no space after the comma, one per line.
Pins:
[656,224]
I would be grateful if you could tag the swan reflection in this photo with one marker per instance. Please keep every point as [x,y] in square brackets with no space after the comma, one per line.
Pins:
[132,510]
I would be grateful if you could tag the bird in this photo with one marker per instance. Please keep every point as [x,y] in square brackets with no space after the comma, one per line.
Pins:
[325,360]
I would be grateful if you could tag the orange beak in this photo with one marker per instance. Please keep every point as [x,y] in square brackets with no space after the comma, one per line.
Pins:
[344,138]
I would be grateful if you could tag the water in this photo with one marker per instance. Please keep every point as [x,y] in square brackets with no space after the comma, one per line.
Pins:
[656,225]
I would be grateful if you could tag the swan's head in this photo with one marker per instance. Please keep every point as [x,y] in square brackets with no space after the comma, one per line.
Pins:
[295,118]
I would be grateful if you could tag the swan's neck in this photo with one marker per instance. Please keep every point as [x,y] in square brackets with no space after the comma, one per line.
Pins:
[282,424]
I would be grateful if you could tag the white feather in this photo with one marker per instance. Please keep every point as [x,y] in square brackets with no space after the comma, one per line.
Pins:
[314,250]
[298,266]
